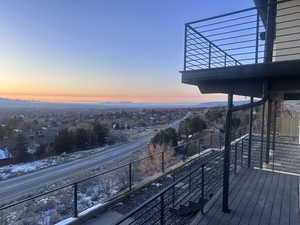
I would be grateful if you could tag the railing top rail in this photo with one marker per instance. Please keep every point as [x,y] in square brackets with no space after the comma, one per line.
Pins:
[222,15]
[237,12]
[280,142]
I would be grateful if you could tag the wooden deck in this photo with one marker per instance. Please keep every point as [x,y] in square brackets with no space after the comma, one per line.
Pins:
[257,198]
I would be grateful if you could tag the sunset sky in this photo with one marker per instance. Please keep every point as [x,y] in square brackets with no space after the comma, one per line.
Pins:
[100,50]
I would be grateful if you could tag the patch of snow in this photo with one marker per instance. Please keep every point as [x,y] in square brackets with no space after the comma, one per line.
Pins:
[85,212]
[31,150]
[3,176]
[19,169]
[3,154]
[169,176]
[66,221]
[27,167]
[90,209]
[157,184]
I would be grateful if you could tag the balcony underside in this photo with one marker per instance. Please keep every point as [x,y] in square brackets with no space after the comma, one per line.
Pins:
[248,80]
[257,197]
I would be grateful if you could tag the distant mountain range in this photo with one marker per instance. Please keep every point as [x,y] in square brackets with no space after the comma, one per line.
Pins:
[14,103]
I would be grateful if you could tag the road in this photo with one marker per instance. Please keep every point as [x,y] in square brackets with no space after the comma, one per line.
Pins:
[14,188]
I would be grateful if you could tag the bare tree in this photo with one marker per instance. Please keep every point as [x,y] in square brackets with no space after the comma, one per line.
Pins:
[151,159]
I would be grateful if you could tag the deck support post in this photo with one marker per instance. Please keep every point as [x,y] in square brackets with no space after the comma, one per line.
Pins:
[227,149]
[250,134]
[262,136]
[269,119]
[274,132]
[264,94]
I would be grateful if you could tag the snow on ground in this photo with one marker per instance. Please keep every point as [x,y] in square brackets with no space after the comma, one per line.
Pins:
[22,168]
[13,170]
[27,167]
[3,154]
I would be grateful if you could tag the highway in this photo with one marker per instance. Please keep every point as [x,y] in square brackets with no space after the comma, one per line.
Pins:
[17,187]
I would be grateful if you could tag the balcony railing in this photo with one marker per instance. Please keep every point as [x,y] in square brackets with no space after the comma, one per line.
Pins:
[180,201]
[117,181]
[238,38]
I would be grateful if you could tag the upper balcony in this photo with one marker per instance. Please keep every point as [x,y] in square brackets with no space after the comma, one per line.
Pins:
[243,45]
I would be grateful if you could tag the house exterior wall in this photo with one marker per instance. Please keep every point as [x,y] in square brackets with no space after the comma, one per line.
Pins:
[289,125]
[286,31]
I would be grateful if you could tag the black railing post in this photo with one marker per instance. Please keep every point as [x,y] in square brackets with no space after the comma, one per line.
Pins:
[226,175]
[202,186]
[162,209]
[250,135]
[262,135]
[274,132]
[173,190]
[235,158]
[130,176]
[185,39]
[75,186]
[225,60]
[242,153]
[257,38]
[270,30]
[190,181]
[163,162]
[209,56]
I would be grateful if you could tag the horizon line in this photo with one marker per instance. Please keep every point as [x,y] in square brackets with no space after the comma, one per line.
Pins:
[109,102]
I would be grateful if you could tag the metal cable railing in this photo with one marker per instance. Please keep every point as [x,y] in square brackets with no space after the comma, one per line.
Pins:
[285,156]
[181,200]
[74,198]
[238,38]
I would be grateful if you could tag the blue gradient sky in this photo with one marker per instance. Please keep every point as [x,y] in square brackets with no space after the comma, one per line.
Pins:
[96,50]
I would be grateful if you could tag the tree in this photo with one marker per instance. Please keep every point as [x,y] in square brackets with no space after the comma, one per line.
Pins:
[18,149]
[101,133]
[150,160]
[235,123]
[64,141]
[41,151]
[215,115]
[167,136]
[192,125]
[81,138]
[197,125]
[2,133]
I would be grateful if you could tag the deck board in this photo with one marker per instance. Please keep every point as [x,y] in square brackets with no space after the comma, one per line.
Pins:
[218,204]
[251,204]
[285,203]
[242,186]
[242,199]
[261,201]
[294,201]
[276,206]
[257,198]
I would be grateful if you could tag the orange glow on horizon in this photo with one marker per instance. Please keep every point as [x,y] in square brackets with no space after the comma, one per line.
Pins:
[86,99]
